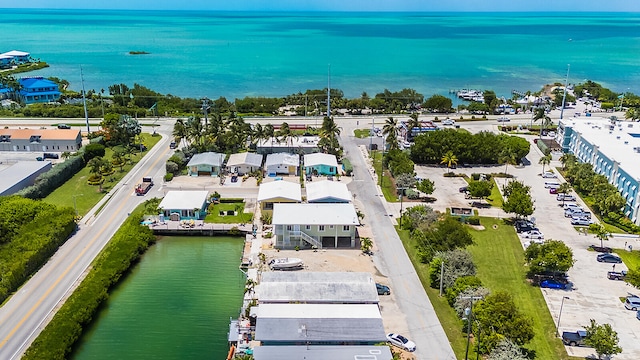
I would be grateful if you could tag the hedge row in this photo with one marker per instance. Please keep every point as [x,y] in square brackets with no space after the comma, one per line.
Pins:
[47,182]
[129,242]
[29,243]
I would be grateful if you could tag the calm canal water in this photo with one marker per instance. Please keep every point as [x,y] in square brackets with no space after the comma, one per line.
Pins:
[175,303]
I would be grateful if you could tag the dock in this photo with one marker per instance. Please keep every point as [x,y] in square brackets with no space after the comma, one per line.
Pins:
[198,228]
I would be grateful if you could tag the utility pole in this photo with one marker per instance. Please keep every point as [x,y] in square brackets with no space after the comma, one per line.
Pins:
[84,101]
[564,95]
[472,298]
[329,93]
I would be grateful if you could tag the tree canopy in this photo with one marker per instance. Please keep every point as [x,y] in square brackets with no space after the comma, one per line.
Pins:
[603,339]
[552,256]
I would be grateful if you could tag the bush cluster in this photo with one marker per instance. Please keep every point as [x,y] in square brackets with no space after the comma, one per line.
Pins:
[124,249]
[47,182]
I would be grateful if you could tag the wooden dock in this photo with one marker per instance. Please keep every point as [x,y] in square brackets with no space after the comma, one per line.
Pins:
[199,228]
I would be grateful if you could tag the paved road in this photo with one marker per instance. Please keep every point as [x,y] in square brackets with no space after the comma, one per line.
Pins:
[392,260]
[27,312]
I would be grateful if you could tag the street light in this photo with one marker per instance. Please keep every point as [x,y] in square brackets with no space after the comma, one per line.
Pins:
[469,315]
[401,189]
[560,314]
[564,95]
[74,203]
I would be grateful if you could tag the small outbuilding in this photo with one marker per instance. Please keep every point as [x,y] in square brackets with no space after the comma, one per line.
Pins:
[327,192]
[184,205]
[320,164]
[282,163]
[208,164]
[279,191]
[244,163]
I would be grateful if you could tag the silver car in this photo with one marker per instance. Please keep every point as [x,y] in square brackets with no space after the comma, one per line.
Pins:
[401,342]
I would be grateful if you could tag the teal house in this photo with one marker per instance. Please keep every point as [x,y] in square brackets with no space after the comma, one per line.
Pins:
[320,164]
[207,164]
[184,205]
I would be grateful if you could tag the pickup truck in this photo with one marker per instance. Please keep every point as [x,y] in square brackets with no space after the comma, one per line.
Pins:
[616,275]
[575,338]
[143,187]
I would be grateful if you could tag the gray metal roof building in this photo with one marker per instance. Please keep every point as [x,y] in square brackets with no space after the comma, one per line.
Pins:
[319,324]
[20,175]
[317,287]
[322,352]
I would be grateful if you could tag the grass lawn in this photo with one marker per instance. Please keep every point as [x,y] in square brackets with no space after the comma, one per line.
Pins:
[630,258]
[215,218]
[87,196]
[495,199]
[499,258]
[362,133]
[387,184]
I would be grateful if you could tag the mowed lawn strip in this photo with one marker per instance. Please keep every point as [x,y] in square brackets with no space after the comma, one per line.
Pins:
[215,217]
[499,259]
[630,258]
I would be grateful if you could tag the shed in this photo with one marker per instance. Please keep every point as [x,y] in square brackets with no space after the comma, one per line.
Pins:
[322,352]
[282,163]
[327,192]
[279,191]
[20,175]
[243,163]
[320,164]
[319,324]
[184,205]
[208,163]
[316,288]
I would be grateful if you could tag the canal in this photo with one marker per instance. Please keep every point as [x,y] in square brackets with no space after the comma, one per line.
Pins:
[174,304]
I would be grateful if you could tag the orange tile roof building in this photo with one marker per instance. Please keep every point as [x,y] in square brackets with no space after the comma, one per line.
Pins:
[36,140]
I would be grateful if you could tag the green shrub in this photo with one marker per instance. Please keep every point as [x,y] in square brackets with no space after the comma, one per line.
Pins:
[47,182]
[347,167]
[412,194]
[93,150]
[473,221]
[168,176]
[231,200]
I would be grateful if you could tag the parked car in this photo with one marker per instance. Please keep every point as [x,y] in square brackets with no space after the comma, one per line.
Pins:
[616,275]
[549,175]
[609,258]
[64,126]
[448,122]
[571,205]
[565,197]
[553,190]
[50,156]
[551,133]
[173,145]
[551,184]
[401,342]
[533,234]
[503,119]
[553,284]
[632,303]
[575,338]
[573,212]
[638,314]
[524,226]
[533,241]
[580,221]
[383,289]
[463,189]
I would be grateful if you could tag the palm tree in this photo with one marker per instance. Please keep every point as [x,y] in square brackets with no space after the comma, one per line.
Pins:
[567,160]
[95,168]
[545,160]
[600,232]
[541,114]
[329,133]
[65,155]
[390,130]
[508,157]
[257,134]
[179,131]
[564,189]
[286,134]
[412,124]
[450,159]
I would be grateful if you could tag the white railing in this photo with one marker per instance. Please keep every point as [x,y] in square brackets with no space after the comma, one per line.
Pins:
[306,237]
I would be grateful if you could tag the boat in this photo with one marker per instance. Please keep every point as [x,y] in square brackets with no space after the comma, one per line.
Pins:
[285,264]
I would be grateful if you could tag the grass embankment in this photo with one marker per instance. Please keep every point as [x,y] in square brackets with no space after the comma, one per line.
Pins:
[499,259]
[630,258]
[495,199]
[123,250]
[388,186]
[86,196]
[27,67]
[362,133]
[240,217]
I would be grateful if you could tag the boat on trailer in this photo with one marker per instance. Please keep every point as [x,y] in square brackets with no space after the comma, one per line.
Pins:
[285,264]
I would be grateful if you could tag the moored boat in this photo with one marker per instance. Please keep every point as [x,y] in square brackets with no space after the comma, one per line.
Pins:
[285,263]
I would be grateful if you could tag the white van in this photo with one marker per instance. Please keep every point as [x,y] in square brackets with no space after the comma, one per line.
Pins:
[551,184]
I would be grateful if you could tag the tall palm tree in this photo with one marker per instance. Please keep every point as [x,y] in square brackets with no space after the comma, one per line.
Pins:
[568,159]
[541,114]
[179,131]
[329,133]
[412,124]
[257,134]
[450,159]
[545,160]
[286,134]
[390,131]
[508,157]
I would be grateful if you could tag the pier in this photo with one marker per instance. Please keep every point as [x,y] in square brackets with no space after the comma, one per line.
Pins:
[198,228]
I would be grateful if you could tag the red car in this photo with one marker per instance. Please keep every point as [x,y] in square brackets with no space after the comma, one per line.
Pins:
[553,191]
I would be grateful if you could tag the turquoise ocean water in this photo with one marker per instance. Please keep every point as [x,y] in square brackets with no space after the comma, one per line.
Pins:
[235,54]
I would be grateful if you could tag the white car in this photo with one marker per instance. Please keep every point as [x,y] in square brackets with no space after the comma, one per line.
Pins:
[448,122]
[503,119]
[549,175]
[571,206]
[533,241]
[401,342]
[565,197]
[580,221]
[533,234]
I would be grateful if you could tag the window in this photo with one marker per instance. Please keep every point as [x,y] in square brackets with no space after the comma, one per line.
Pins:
[330,226]
[308,227]
[320,227]
[346,228]
[268,206]
[289,228]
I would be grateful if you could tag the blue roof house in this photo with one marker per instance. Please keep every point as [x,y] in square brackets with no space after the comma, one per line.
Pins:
[38,90]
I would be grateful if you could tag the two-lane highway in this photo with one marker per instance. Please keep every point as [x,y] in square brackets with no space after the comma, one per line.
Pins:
[31,307]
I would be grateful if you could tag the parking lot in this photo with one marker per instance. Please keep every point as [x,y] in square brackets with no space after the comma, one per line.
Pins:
[593,296]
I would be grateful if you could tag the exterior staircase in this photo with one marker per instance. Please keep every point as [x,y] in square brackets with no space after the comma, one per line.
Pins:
[308,238]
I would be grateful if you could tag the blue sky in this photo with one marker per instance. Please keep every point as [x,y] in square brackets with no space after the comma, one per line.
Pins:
[337,5]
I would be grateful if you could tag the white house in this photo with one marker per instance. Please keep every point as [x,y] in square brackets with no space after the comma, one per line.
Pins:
[184,205]
[319,225]
[279,191]
[243,163]
[327,192]
[208,163]
[282,163]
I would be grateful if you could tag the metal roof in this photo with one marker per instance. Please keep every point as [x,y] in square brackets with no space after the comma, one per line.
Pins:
[331,191]
[245,158]
[315,214]
[181,200]
[323,352]
[280,189]
[320,159]
[20,171]
[207,158]
[317,287]
[282,159]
